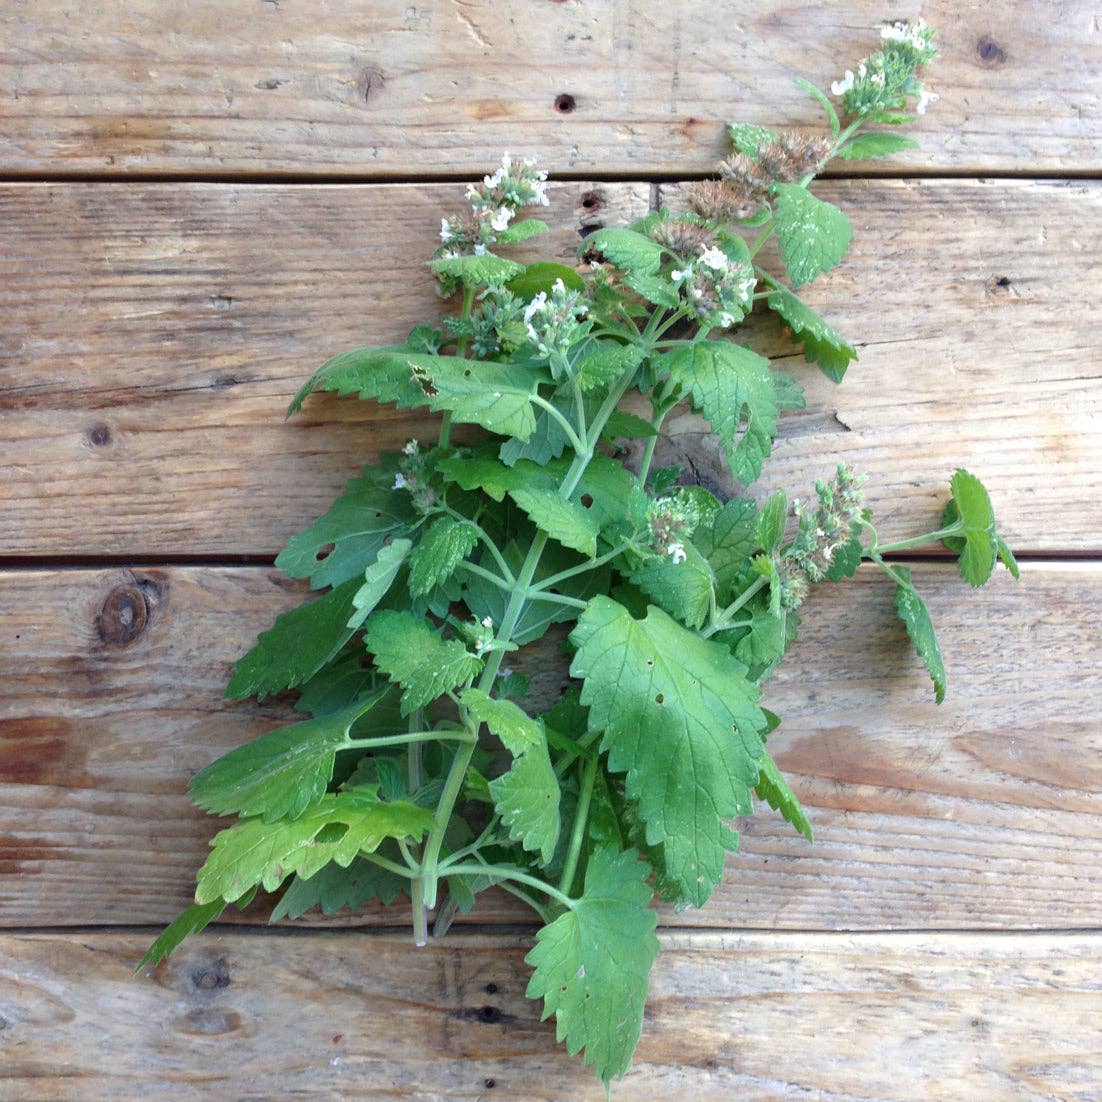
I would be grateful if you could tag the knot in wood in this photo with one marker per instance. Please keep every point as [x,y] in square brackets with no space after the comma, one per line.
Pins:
[124,615]
[990,53]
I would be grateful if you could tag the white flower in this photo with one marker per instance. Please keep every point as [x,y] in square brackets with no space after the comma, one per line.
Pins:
[725,320]
[539,192]
[399,481]
[676,551]
[499,220]
[472,191]
[877,78]
[897,32]
[411,447]
[536,306]
[714,258]
[680,277]
[486,621]
[841,87]
[445,230]
[480,250]
[925,100]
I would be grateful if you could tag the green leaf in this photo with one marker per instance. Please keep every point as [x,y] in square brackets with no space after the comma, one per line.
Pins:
[357,525]
[190,921]
[748,139]
[813,235]
[337,828]
[280,774]
[480,472]
[564,520]
[548,440]
[731,386]
[654,288]
[622,425]
[592,964]
[521,231]
[728,544]
[787,392]
[380,373]
[914,614]
[377,580]
[821,344]
[846,558]
[772,522]
[606,361]
[332,888]
[864,146]
[543,276]
[973,506]
[336,686]
[477,271]
[526,796]
[828,107]
[683,589]
[412,654]
[442,548]
[764,642]
[628,250]
[773,788]
[299,644]
[680,719]
[1006,557]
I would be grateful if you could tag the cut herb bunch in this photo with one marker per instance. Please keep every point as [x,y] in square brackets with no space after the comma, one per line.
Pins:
[420,771]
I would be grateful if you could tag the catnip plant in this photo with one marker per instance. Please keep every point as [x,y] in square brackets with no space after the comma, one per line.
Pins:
[421,770]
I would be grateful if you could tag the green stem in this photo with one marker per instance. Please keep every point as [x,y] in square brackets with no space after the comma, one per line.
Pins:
[405,740]
[583,568]
[484,536]
[460,351]
[487,575]
[723,620]
[762,238]
[502,872]
[571,756]
[557,599]
[392,866]
[956,529]
[576,441]
[581,817]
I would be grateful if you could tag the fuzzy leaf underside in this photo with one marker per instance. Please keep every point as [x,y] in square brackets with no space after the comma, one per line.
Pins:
[821,343]
[916,617]
[377,580]
[592,964]
[332,888]
[681,721]
[189,921]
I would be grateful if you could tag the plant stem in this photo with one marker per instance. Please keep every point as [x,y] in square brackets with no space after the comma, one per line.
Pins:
[460,351]
[956,529]
[405,740]
[723,620]
[487,575]
[576,441]
[581,817]
[583,568]
[501,872]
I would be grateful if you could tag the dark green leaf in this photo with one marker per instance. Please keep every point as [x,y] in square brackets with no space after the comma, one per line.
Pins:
[445,544]
[773,788]
[914,614]
[542,277]
[821,344]
[332,888]
[190,921]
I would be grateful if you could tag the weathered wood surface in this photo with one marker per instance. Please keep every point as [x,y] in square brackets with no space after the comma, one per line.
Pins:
[153,336]
[985,812]
[347,1015]
[390,88]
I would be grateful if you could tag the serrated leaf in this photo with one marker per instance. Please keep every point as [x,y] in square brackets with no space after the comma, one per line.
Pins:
[480,472]
[565,521]
[358,523]
[337,828]
[378,579]
[654,288]
[299,644]
[846,559]
[864,146]
[772,521]
[683,589]
[681,721]
[764,641]
[189,921]
[592,964]
[280,774]
[606,361]
[813,235]
[788,393]
[412,654]
[774,789]
[728,543]
[977,558]
[622,425]
[731,386]
[336,686]
[527,795]
[379,373]
[333,887]
[445,544]
[748,139]
[1006,557]
[542,276]
[628,250]
[548,441]
[821,343]
[477,271]
[916,617]
[827,106]
[521,231]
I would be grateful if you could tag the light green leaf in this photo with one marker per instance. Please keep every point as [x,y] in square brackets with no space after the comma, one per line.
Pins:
[728,544]
[606,361]
[773,788]
[731,386]
[411,653]
[190,921]
[337,828]
[828,107]
[280,774]
[566,521]
[542,276]
[378,579]
[654,288]
[478,271]
[521,231]
[973,506]
[442,548]
[683,589]
[680,719]
[813,235]
[380,373]
[748,139]
[332,888]
[864,146]
[622,425]
[821,344]
[299,644]
[360,521]
[788,393]
[772,521]
[1006,557]
[914,614]
[592,964]
[628,250]
[518,731]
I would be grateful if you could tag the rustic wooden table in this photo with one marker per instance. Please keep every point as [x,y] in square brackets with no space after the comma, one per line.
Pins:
[200,202]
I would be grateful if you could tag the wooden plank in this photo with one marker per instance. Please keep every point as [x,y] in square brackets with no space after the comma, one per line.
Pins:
[390,89]
[748,1016]
[154,335]
[984,812]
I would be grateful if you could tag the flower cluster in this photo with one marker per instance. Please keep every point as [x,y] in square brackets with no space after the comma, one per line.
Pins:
[554,325]
[672,520]
[886,79]
[494,327]
[834,522]
[494,204]
[718,289]
[411,477]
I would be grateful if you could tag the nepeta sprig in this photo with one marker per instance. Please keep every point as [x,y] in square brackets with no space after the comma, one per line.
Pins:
[420,770]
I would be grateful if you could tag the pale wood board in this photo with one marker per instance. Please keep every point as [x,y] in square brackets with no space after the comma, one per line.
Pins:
[839,1018]
[389,89]
[983,812]
[153,336]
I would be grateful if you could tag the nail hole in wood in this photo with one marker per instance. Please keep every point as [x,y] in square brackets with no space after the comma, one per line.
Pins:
[565,103]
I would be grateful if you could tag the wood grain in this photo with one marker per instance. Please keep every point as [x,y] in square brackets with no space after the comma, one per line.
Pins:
[392,89]
[153,336]
[984,812]
[735,1015]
